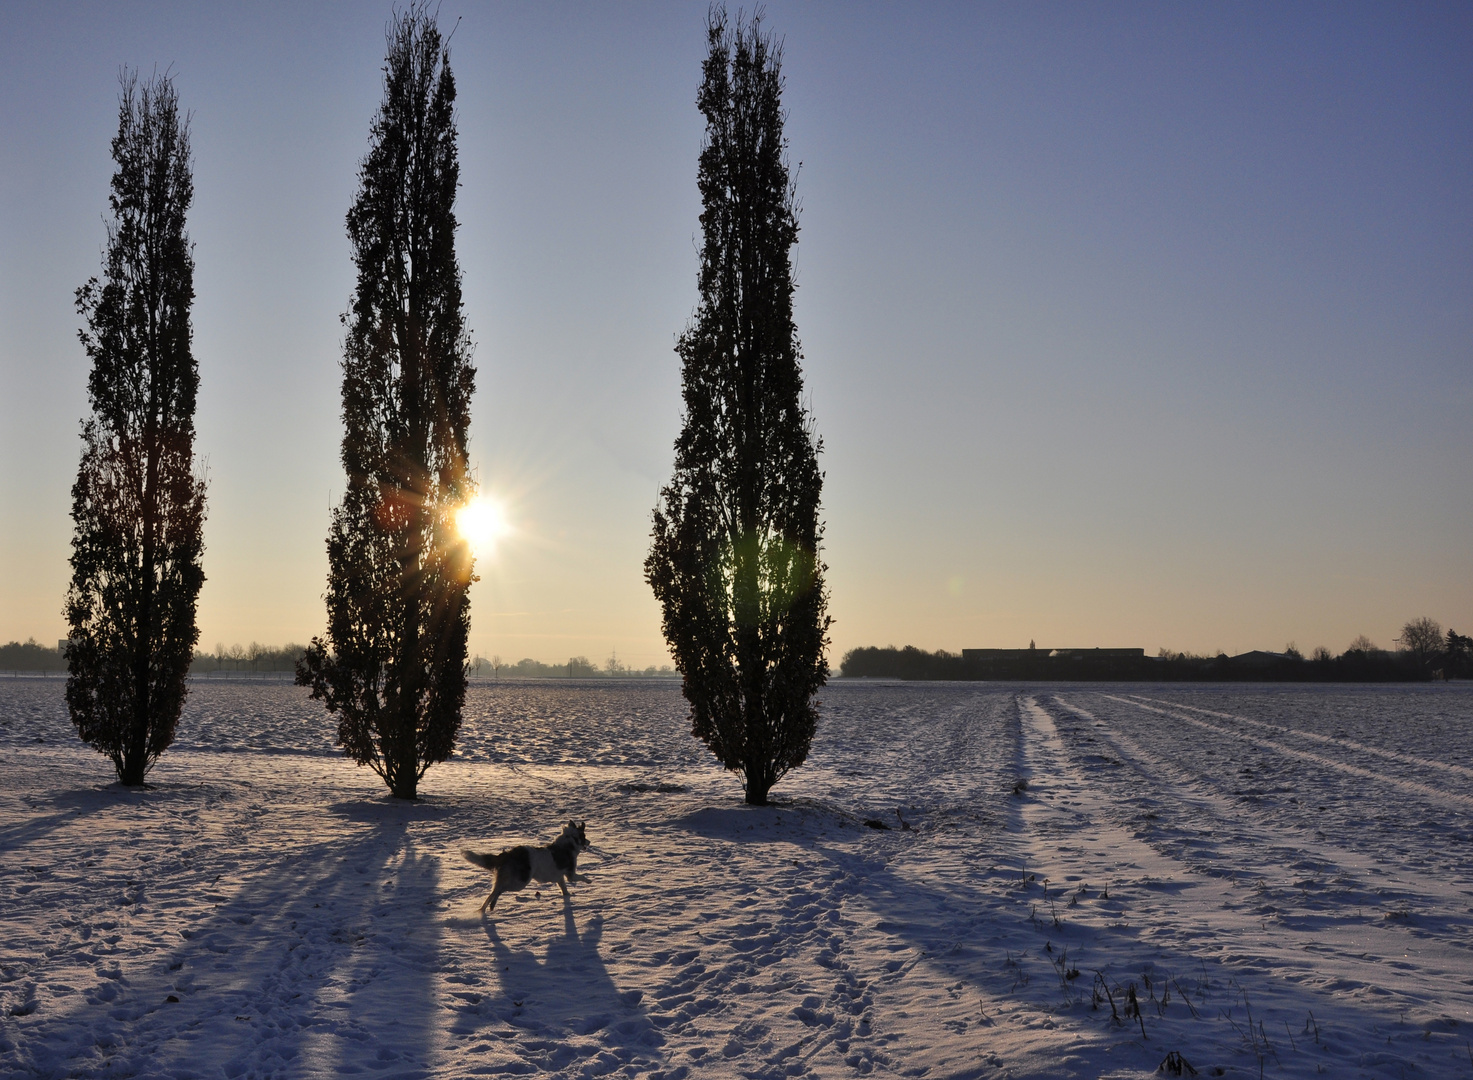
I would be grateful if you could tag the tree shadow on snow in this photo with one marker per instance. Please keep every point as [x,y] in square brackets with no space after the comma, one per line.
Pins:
[967,925]
[741,822]
[67,806]
[321,962]
[17,835]
[387,809]
[968,930]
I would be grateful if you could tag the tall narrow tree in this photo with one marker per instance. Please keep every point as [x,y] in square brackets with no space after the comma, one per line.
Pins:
[735,554]
[392,666]
[138,506]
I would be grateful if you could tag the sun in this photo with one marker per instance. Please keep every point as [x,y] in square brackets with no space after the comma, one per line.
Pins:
[482,522]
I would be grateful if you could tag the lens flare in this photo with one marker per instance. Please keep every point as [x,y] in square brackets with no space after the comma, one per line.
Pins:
[482,522]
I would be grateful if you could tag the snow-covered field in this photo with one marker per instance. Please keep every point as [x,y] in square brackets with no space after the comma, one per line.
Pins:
[1095,881]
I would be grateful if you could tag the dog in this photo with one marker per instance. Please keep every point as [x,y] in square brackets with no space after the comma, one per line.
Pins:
[556,862]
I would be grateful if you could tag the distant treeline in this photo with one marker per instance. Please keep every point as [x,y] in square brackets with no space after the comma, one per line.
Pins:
[1420,658]
[29,656]
[254,658]
[1360,663]
[577,667]
[257,659]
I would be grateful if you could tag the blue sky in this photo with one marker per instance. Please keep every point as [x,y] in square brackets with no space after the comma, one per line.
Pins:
[1137,324]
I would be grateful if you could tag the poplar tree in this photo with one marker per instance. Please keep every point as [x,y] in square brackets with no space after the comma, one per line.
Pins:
[392,666]
[735,555]
[138,506]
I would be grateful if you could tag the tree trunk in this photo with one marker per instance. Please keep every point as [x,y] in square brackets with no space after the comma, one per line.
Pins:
[757,789]
[406,782]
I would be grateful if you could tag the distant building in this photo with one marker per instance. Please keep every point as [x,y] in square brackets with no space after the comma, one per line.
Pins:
[1258,658]
[1004,654]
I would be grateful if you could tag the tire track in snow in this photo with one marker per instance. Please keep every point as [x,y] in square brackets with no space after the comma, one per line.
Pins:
[1219,812]
[1205,802]
[1281,921]
[1333,740]
[1063,806]
[1406,862]
[1425,790]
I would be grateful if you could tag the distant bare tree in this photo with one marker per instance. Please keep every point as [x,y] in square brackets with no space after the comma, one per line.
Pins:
[1362,645]
[1422,640]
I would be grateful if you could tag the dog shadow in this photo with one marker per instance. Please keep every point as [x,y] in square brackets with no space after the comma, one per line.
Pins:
[569,991]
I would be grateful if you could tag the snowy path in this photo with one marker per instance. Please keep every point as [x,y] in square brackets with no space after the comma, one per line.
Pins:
[1211,855]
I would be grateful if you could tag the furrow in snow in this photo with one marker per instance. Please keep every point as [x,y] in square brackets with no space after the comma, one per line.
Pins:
[1425,790]
[1333,740]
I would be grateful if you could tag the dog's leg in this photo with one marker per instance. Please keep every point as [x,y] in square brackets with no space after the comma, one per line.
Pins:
[490,904]
[561,884]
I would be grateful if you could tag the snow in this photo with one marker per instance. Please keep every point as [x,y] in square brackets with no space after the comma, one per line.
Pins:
[1280,877]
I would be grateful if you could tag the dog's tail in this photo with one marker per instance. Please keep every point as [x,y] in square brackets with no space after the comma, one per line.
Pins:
[483,858]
